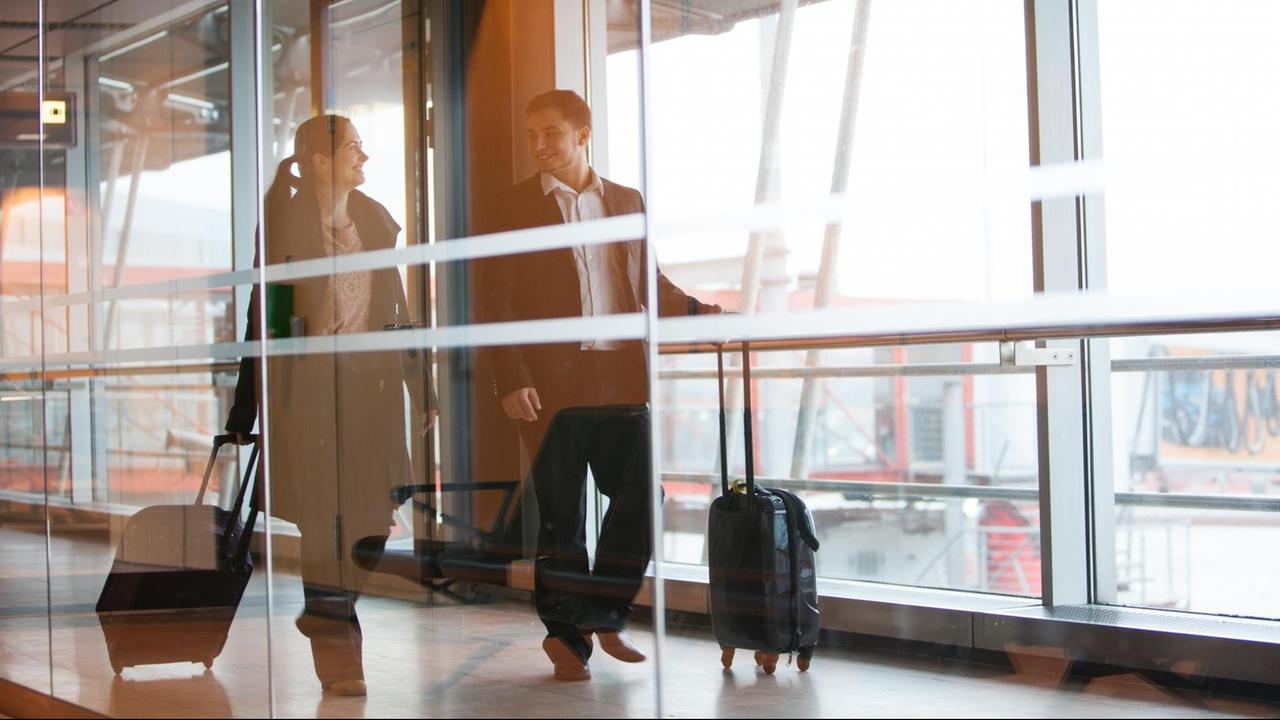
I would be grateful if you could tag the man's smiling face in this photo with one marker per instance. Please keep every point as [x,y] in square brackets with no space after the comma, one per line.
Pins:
[554,144]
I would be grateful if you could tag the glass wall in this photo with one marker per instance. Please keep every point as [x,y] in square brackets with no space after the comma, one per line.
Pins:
[830,158]
[361,355]
[24,592]
[137,241]
[1194,415]
[1196,430]
[891,425]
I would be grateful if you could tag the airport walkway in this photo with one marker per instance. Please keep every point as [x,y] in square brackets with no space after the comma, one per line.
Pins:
[449,660]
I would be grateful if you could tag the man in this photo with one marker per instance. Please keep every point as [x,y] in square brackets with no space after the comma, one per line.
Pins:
[583,403]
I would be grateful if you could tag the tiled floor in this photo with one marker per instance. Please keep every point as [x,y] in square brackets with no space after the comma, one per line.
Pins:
[447,660]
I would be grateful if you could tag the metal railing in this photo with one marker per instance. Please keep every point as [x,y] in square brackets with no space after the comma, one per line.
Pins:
[1153,364]
[919,334]
[927,491]
[1046,317]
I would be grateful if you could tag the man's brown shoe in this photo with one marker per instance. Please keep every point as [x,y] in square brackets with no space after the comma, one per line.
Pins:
[568,665]
[621,646]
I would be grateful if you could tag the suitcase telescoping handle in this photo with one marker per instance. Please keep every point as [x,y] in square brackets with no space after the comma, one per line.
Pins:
[746,420]
[218,442]
[240,552]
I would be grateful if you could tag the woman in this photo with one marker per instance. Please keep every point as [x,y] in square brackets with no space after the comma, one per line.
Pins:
[335,429]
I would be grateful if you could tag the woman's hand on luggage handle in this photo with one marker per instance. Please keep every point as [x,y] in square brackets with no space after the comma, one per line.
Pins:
[522,404]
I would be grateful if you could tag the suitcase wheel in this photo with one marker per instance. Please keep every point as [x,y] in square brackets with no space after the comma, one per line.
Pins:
[726,657]
[767,661]
[208,663]
[117,667]
[806,655]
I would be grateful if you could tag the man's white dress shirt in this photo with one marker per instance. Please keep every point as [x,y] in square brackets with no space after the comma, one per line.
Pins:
[601,290]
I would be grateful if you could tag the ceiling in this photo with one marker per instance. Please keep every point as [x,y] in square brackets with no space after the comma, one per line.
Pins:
[174,81]
[676,18]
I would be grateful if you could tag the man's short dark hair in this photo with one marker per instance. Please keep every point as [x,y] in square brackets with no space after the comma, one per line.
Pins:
[571,107]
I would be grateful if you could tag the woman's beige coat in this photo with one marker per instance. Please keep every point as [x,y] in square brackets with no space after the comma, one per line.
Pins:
[336,434]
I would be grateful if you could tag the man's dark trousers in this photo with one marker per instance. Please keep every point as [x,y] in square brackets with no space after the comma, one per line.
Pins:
[604,425]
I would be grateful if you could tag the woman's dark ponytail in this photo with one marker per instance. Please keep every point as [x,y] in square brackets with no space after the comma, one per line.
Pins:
[282,187]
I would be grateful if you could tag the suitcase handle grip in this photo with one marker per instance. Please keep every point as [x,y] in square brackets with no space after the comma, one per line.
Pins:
[218,442]
[238,554]
[746,420]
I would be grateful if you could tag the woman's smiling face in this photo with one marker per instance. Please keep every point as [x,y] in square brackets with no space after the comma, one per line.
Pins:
[349,159]
[344,171]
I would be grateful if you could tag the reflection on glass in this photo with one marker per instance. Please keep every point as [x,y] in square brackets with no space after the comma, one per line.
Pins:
[918,417]
[25,652]
[1195,416]
[140,214]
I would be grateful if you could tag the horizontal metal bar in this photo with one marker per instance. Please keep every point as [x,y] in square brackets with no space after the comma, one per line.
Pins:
[1219,362]
[1207,362]
[198,389]
[922,491]
[1243,503]
[176,454]
[1156,364]
[74,373]
[596,232]
[953,337]
[1241,362]
[1046,317]
[1246,466]
[905,491]
[856,371]
[629,326]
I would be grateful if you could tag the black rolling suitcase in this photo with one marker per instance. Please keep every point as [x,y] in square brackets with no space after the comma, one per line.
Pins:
[178,577]
[764,591]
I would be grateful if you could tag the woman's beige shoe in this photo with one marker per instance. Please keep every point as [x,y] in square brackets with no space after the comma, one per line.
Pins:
[347,688]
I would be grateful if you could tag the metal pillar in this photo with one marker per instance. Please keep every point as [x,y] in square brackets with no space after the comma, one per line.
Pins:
[244,154]
[954,472]
[122,250]
[767,171]
[1101,462]
[99,227]
[825,289]
[1077,517]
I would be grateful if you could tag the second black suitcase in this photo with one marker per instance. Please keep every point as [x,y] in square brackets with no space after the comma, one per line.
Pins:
[763,584]
[178,577]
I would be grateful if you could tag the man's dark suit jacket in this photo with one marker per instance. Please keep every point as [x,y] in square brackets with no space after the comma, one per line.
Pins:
[544,284]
